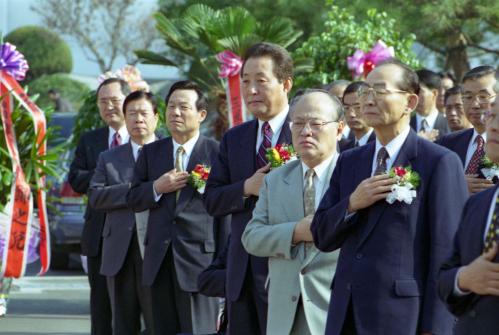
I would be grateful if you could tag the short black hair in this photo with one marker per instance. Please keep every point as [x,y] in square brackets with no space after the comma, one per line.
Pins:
[410,80]
[429,79]
[340,110]
[458,89]
[138,95]
[447,74]
[479,72]
[353,88]
[201,102]
[281,59]
[125,88]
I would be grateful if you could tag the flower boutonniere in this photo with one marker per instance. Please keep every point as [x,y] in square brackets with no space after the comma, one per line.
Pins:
[280,155]
[405,187]
[199,176]
[489,169]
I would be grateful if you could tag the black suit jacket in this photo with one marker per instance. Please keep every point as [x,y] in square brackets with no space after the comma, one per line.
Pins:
[81,170]
[441,125]
[224,195]
[211,281]
[458,142]
[347,143]
[184,225]
[476,314]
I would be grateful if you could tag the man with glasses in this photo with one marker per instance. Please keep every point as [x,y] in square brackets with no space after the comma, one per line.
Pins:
[299,274]
[469,144]
[110,96]
[353,117]
[468,281]
[454,109]
[385,281]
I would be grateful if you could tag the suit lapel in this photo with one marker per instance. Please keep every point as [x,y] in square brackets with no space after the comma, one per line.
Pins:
[101,142]
[285,135]
[413,124]
[406,155]
[247,142]
[461,147]
[126,162]
[294,195]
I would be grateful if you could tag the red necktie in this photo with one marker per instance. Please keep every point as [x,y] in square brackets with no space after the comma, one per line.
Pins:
[116,140]
[477,157]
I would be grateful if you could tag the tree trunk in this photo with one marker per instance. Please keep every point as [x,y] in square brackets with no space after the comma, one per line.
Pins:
[457,56]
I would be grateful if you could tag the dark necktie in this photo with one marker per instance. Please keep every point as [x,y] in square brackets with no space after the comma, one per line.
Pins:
[356,144]
[179,164]
[116,140]
[424,125]
[477,157]
[493,231]
[267,133]
[381,161]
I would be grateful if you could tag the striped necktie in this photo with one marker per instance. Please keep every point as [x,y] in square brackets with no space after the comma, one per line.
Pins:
[261,159]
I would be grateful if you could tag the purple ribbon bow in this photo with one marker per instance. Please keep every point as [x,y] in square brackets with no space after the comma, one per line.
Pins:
[13,62]
[360,60]
[231,64]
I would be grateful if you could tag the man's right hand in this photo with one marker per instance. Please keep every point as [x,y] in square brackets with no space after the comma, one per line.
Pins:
[302,232]
[252,184]
[476,184]
[171,181]
[481,276]
[370,191]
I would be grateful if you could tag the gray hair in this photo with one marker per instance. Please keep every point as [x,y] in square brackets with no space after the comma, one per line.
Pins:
[334,101]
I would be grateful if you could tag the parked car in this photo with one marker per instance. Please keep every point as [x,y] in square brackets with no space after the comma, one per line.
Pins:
[66,208]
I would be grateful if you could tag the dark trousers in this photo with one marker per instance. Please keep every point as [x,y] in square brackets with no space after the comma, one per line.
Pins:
[128,296]
[177,311]
[349,323]
[248,314]
[100,306]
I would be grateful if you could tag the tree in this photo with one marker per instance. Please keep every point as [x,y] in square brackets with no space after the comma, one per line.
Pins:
[105,29]
[44,50]
[343,34]
[455,30]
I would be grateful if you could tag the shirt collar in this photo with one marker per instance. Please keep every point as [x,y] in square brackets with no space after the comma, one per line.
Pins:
[136,147]
[276,122]
[430,119]
[393,147]
[321,169]
[363,139]
[475,134]
[123,134]
[188,146]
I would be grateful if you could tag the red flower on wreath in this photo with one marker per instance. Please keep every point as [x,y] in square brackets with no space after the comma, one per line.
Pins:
[400,171]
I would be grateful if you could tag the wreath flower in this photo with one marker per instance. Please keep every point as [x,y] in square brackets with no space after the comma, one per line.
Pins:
[280,155]
[407,181]
[199,176]
[490,170]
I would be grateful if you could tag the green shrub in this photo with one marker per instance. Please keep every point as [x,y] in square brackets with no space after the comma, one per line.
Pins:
[44,50]
[72,90]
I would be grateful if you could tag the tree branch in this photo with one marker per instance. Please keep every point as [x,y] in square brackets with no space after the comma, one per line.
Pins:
[477,46]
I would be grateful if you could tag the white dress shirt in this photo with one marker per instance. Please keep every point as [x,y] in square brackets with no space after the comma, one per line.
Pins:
[320,177]
[136,147]
[276,124]
[472,146]
[123,133]
[363,140]
[430,120]
[393,148]
[346,131]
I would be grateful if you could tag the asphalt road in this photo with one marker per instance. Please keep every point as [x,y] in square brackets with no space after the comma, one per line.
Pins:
[57,303]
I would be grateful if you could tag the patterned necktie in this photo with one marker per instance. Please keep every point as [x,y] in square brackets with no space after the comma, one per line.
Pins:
[309,199]
[381,161]
[477,157]
[139,150]
[267,133]
[493,231]
[179,165]
[116,140]
[424,125]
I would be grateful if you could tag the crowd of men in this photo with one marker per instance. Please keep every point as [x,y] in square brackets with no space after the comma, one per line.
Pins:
[311,247]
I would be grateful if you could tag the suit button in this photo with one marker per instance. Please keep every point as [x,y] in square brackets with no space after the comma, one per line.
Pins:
[349,287]
[167,241]
[303,271]
[359,256]
[130,228]
[472,313]
[294,298]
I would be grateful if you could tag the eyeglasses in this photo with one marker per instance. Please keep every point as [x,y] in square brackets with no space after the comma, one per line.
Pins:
[378,93]
[483,98]
[315,125]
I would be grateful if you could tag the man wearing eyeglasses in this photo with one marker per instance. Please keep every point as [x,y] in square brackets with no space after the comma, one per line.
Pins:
[299,274]
[468,281]
[469,144]
[110,96]
[454,109]
[385,281]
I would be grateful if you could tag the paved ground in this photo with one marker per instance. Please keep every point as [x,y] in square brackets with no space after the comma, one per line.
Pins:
[57,303]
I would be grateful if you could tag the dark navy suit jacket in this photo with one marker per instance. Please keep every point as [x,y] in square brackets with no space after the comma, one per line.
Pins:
[391,254]
[224,195]
[441,125]
[458,142]
[476,314]
[348,143]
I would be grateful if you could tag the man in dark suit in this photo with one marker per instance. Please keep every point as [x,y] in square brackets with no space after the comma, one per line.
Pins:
[468,280]
[454,109]
[427,121]
[385,280]
[237,174]
[110,96]
[469,144]
[181,237]
[353,117]
[124,230]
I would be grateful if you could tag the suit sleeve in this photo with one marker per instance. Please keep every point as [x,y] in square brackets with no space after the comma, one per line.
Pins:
[447,195]
[79,172]
[140,197]
[103,196]
[331,225]
[268,240]
[221,196]
[211,282]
